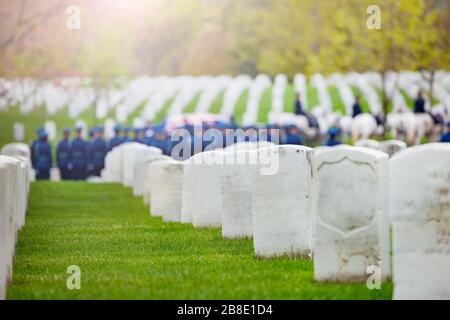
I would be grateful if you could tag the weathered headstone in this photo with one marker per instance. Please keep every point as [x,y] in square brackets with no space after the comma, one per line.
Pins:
[148,178]
[350,214]
[368,143]
[237,181]
[129,151]
[188,194]
[113,166]
[172,188]
[207,211]
[281,203]
[391,147]
[159,196]
[5,226]
[140,168]
[419,206]
[9,212]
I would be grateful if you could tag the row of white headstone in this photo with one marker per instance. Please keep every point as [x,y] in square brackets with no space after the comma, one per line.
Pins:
[15,177]
[336,205]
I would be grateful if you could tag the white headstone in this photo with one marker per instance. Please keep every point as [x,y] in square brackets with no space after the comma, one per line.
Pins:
[171,190]
[281,203]
[50,128]
[391,147]
[237,181]
[140,168]
[148,177]
[350,218]
[207,211]
[19,131]
[109,128]
[9,213]
[113,166]
[160,194]
[129,151]
[188,201]
[419,207]
[368,143]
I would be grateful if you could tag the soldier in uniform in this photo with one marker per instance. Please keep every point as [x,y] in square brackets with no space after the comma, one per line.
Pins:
[419,104]
[41,156]
[292,135]
[100,149]
[445,137]
[116,140]
[333,140]
[79,156]
[126,135]
[356,107]
[63,155]
[90,152]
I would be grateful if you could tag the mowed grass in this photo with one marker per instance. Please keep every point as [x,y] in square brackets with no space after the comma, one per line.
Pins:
[124,253]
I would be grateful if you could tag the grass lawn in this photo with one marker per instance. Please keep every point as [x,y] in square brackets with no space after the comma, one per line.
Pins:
[124,253]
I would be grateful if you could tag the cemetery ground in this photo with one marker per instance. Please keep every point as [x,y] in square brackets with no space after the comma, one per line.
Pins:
[124,253]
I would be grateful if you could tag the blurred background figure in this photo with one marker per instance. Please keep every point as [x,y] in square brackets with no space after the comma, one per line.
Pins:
[79,156]
[419,103]
[41,155]
[292,135]
[446,136]
[63,155]
[99,151]
[117,139]
[298,105]
[333,137]
[356,107]
[126,135]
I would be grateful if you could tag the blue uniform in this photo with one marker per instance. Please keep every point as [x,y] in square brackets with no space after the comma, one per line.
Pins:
[293,139]
[42,159]
[63,158]
[356,109]
[79,159]
[419,105]
[298,107]
[99,153]
[331,142]
[445,137]
[114,142]
[90,158]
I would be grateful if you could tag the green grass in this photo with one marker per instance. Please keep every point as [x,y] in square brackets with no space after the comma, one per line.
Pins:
[241,105]
[124,253]
[136,113]
[312,95]
[336,101]
[217,103]
[163,112]
[290,96]
[408,100]
[192,104]
[265,105]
